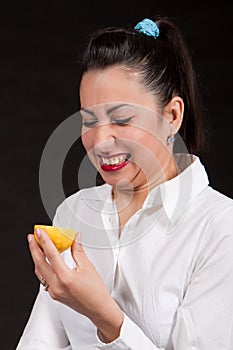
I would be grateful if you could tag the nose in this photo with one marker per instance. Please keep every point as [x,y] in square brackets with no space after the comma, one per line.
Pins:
[103,138]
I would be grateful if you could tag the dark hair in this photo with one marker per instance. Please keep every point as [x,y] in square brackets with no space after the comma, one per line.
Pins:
[164,65]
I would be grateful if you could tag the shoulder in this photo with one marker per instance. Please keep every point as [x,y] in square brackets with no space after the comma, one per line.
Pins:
[217,213]
[209,216]
[212,222]
[222,212]
[214,203]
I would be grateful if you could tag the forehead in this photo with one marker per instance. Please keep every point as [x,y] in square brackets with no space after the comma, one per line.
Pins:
[115,84]
[114,73]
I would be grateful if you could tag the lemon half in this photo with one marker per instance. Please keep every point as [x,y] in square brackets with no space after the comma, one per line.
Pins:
[61,237]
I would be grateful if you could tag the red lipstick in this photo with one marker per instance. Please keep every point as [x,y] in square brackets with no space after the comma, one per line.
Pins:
[120,161]
[114,167]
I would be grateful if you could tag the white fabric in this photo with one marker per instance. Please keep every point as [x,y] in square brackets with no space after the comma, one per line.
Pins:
[171,271]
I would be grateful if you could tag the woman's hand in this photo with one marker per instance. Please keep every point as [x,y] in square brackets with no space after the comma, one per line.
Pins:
[82,288]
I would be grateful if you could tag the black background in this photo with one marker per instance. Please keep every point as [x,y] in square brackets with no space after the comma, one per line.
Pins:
[39,70]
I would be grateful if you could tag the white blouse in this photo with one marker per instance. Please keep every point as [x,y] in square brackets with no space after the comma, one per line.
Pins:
[171,270]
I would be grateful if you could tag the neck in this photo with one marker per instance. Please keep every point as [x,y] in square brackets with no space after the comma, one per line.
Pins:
[131,198]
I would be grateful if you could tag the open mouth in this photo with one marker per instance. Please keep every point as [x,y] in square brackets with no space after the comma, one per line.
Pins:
[115,162]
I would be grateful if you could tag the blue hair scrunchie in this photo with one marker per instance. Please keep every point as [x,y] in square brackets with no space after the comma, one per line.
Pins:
[148,27]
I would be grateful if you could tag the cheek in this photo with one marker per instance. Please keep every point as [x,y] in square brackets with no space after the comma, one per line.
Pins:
[87,140]
[149,152]
[146,142]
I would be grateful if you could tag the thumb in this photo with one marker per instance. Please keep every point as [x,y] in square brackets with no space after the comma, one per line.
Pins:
[77,251]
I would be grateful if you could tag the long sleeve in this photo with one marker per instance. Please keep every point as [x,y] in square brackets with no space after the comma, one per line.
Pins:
[44,329]
[131,338]
[205,318]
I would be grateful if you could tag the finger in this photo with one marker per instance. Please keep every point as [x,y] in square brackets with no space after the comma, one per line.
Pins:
[78,252]
[36,251]
[51,252]
[42,267]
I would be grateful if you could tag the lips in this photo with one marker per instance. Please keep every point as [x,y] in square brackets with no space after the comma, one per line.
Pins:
[115,162]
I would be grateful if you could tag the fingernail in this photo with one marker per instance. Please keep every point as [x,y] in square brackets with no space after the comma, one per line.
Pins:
[79,237]
[38,232]
[29,238]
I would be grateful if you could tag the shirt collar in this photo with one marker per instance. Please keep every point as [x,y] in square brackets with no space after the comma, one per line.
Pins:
[176,194]
[173,195]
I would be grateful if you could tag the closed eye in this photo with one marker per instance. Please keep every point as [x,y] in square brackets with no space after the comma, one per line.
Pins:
[90,124]
[121,122]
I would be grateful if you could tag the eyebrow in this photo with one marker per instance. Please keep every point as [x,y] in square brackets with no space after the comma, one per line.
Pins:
[109,111]
[87,111]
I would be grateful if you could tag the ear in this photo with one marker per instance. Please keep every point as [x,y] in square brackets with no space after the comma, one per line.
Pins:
[173,112]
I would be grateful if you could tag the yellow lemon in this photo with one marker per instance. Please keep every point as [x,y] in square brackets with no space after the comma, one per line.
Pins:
[61,237]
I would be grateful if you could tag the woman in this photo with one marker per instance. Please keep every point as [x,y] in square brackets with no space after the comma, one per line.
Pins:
[152,267]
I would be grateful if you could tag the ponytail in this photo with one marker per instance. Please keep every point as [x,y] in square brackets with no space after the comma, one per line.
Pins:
[185,85]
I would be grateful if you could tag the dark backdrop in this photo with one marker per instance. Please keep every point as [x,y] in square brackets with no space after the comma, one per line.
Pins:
[40,44]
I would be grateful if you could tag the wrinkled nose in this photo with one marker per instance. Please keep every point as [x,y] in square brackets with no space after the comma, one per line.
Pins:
[103,139]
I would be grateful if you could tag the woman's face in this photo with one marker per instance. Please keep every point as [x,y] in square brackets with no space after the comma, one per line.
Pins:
[123,132]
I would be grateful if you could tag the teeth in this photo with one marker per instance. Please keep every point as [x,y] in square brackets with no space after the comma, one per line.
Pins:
[115,160]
